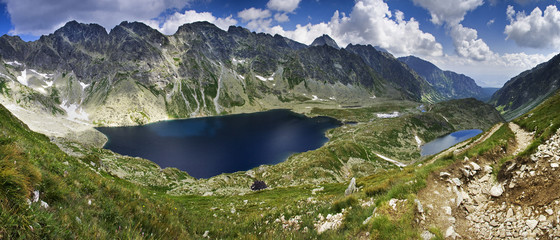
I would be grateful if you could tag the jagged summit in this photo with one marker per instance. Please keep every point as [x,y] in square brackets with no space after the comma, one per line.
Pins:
[325,40]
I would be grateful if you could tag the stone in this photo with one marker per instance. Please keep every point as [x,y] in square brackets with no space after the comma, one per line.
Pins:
[457,182]
[487,169]
[205,235]
[509,213]
[496,190]
[351,187]
[426,235]
[444,174]
[532,224]
[450,233]
[35,196]
[447,210]
[466,159]
[419,206]
[44,204]
[549,211]
[542,218]
[554,165]
[475,166]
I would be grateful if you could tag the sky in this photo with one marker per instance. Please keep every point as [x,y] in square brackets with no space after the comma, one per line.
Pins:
[488,40]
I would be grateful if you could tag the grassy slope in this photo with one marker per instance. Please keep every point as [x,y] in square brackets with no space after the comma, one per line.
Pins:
[119,209]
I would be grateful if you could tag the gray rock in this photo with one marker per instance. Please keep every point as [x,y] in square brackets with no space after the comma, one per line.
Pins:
[457,182]
[475,166]
[532,224]
[496,190]
[509,213]
[426,235]
[351,187]
[444,174]
[419,206]
[450,233]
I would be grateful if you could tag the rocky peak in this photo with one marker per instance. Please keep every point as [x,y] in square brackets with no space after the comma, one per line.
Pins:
[78,32]
[325,40]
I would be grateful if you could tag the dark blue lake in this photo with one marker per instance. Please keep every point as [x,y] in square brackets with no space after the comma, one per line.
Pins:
[206,147]
[447,141]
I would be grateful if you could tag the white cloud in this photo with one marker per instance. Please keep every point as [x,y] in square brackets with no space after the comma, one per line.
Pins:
[467,44]
[537,30]
[253,14]
[450,11]
[37,17]
[170,24]
[370,22]
[490,22]
[283,5]
[281,17]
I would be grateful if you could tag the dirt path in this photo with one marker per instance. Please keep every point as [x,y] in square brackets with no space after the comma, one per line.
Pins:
[522,137]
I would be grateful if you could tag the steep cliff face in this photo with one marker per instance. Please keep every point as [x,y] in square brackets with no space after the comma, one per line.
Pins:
[527,90]
[450,84]
[134,74]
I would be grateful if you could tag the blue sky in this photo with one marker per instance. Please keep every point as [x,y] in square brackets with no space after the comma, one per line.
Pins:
[489,40]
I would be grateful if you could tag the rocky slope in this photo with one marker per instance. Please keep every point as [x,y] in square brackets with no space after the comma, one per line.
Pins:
[325,40]
[527,90]
[448,83]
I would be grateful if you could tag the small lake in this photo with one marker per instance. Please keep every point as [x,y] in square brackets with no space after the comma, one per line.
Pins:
[447,141]
[206,147]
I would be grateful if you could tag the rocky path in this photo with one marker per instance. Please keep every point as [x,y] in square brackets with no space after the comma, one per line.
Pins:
[467,201]
[522,138]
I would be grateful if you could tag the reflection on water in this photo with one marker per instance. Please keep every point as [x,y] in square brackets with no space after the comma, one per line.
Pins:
[448,141]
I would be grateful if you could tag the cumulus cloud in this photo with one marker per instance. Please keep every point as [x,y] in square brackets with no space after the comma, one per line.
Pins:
[283,5]
[370,22]
[536,30]
[253,14]
[451,13]
[170,24]
[37,17]
[281,17]
[467,44]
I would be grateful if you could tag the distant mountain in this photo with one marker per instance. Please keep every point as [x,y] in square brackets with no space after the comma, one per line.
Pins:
[396,72]
[528,89]
[448,83]
[325,40]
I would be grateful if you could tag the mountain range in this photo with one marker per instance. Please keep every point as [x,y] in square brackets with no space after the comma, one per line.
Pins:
[133,74]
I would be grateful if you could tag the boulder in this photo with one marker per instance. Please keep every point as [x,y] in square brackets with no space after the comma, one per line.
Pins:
[351,187]
[258,185]
[496,190]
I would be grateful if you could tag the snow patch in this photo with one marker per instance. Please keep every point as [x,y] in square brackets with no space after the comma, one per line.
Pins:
[418,141]
[4,75]
[388,115]
[332,98]
[237,61]
[74,111]
[399,164]
[84,85]
[315,98]
[44,75]
[14,63]
[271,78]
[23,77]
[373,97]
[239,75]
